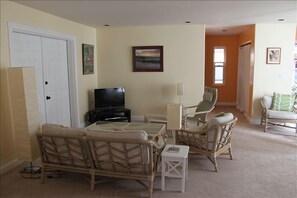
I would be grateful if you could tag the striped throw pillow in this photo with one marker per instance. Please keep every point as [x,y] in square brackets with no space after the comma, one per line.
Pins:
[283,102]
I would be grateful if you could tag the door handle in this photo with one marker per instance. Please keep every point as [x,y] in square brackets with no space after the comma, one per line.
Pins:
[46,82]
[47,97]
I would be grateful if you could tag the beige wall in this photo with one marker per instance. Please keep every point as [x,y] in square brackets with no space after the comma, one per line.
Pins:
[13,12]
[149,92]
[273,78]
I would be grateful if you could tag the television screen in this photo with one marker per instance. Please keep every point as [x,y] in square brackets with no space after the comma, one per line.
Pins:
[109,98]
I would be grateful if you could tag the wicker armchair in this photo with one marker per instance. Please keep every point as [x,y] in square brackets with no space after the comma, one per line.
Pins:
[211,139]
[273,117]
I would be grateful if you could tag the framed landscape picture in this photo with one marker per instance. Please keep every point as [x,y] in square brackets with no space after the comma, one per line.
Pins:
[147,58]
[88,59]
[273,55]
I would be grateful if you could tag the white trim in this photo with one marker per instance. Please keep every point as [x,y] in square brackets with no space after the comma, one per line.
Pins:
[137,118]
[254,121]
[72,67]
[10,165]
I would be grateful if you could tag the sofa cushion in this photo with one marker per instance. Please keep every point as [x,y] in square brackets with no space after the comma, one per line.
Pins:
[283,102]
[281,115]
[267,101]
[220,119]
[61,131]
[118,134]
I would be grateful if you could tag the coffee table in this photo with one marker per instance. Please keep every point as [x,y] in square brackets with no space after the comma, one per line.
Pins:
[155,131]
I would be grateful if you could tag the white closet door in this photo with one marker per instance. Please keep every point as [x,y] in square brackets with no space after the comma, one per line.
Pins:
[26,50]
[49,57]
[56,87]
[243,79]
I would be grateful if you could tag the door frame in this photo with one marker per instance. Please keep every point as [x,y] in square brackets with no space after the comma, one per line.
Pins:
[71,58]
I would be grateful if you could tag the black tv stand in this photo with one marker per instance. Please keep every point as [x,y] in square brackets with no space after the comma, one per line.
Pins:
[110,114]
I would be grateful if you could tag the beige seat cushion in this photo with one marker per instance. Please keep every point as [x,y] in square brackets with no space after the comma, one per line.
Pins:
[285,115]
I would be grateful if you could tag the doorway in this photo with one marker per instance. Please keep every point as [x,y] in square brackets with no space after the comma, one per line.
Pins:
[52,55]
[243,77]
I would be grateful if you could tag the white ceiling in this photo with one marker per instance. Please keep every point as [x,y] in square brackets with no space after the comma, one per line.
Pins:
[232,16]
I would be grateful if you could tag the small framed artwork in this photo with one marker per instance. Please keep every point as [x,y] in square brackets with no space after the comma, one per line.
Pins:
[88,59]
[273,55]
[147,58]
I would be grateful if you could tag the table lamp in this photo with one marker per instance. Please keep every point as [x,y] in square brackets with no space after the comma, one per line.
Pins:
[174,117]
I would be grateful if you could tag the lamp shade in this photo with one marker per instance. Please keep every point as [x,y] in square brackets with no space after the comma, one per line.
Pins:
[174,116]
[180,89]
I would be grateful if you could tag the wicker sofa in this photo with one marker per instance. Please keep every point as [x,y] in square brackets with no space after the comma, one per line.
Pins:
[111,154]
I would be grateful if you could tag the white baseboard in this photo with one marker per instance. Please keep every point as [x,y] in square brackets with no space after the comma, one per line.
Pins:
[254,121]
[231,104]
[10,165]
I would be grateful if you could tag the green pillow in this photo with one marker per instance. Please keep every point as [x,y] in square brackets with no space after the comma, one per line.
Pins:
[283,102]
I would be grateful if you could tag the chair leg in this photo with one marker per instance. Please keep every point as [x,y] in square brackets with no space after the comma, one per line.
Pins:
[42,175]
[230,153]
[92,180]
[266,123]
[215,164]
[150,187]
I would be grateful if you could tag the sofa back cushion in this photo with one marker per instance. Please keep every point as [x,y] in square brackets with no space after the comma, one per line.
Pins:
[283,102]
[214,133]
[267,101]
[63,146]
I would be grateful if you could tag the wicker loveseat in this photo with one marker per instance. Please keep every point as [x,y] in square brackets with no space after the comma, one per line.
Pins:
[111,154]
[274,116]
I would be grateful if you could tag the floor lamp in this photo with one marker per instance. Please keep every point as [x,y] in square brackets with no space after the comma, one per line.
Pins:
[26,117]
[174,117]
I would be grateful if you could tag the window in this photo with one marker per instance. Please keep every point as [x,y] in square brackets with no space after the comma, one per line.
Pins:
[219,65]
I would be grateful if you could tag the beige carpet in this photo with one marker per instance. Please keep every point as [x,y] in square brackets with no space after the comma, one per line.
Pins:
[264,166]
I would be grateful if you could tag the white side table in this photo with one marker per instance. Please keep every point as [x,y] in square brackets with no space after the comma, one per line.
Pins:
[172,162]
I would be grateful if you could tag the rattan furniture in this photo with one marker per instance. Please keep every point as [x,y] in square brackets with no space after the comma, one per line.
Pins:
[270,117]
[211,140]
[110,154]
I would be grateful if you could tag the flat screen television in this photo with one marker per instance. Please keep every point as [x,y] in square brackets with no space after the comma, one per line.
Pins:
[107,98]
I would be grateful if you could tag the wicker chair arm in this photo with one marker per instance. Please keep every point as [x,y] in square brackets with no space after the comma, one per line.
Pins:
[155,144]
[295,109]
[264,108]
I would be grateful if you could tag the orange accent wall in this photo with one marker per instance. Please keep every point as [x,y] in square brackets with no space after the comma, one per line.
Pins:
[227,92]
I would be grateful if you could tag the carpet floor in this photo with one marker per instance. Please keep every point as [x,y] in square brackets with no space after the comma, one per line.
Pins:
[264,166]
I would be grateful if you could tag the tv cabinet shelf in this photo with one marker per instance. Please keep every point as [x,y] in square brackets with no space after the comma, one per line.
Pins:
[113,114]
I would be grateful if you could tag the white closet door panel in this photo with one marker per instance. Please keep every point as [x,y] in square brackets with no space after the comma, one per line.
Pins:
[56,74]
[26,51]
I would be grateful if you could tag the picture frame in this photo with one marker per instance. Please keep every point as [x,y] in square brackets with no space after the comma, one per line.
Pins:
[273,55]
[147,58]
[88,59]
